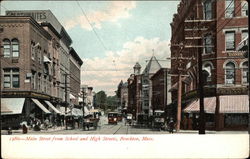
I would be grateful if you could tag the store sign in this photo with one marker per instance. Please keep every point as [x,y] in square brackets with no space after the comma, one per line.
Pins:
[235,54]
[37,15]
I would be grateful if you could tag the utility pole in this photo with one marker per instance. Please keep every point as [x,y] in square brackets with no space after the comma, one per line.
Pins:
[83,104]
[66,95]
[201,81]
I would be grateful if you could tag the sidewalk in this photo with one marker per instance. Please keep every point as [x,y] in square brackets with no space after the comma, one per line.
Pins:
[20,131]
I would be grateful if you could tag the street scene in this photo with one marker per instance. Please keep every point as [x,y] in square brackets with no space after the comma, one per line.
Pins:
[171,72]
[186,71]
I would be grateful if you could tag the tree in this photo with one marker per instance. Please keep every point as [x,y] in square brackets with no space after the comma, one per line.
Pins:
[101,99]
[112,102]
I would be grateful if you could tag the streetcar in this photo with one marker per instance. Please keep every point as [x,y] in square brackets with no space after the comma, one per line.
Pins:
[112,117]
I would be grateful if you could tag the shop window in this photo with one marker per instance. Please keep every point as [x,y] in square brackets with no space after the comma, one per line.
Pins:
[208,9]
[229,8]
[230,40]
[11,78]
[230,73]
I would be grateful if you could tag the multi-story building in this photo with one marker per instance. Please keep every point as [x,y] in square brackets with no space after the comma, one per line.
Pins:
[122,94]
[75,76]
[134,92]
[161,84]
[212,29]
[34,56]
[152,67]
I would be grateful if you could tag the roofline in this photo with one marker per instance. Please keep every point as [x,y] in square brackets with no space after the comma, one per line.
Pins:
[75,56]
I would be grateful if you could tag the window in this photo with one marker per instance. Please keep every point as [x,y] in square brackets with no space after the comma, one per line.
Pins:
[33,51]
[33,80]
[11,78]
[230,73]
[15,48]
[208,44]
[244,8]
[244,34]
[229,8]
[11,49]
[208,68]
[6,48]
[245,73]
[230,41]
[39,81]
[208,9]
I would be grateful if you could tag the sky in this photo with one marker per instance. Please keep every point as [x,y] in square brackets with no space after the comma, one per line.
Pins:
[113,35]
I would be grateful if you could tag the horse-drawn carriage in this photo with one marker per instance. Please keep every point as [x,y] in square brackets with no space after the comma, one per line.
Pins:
[90,122]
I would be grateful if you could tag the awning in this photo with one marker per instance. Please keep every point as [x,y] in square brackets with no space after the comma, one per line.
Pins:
[94,110]
[62,109]
[52,107]
[76,112]
[46,59]
[228,104]
[71,96]
[234,104]
[11,106]
[209,106]
[40,105]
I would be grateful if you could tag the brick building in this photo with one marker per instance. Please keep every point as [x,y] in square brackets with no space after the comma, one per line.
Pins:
[134,92]
[161,84]
[151,68]
[32,66]
[213,29]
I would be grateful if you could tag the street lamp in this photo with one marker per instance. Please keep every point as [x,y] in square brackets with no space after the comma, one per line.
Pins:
[83,104]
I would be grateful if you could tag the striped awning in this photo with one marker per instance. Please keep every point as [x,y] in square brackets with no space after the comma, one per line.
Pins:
[52,107]
[209,106]
[228,104]
[41,106]
[11,106]
[234,104]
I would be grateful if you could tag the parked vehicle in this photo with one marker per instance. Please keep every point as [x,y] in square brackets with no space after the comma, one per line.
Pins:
[90,122]
[119,117]
[142,120]
[112,117]
[129,119]
[159,120]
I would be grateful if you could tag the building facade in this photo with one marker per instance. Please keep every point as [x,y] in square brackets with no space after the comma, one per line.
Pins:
[151,68]
[161,84]
[212,29]
[34,58]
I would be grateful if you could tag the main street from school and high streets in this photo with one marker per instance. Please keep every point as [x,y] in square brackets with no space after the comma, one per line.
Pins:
[110,129]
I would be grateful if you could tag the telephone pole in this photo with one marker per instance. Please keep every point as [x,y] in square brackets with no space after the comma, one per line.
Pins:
[83,105]
[66,95]
[201,81]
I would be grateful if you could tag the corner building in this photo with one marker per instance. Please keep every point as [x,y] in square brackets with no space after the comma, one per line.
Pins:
[212,29]
[32,69]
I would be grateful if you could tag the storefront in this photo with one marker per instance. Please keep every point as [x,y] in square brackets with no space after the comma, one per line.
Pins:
[232,112]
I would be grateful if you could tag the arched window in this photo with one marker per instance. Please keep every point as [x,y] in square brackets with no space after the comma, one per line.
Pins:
[207,67]
[15,48]
[230,73]
[6,48]
[245,72]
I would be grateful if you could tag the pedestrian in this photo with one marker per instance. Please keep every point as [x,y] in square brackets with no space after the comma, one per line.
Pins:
[171,125]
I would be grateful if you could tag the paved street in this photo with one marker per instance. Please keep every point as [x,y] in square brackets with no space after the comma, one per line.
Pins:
[108,129]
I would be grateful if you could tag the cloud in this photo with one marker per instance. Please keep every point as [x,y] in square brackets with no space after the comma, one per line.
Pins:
[115,11]
[106,73]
